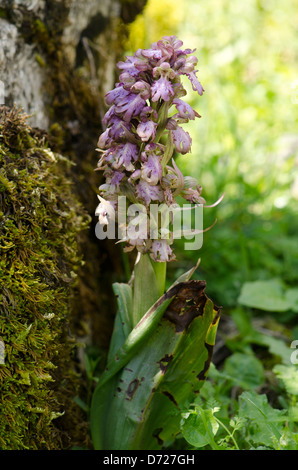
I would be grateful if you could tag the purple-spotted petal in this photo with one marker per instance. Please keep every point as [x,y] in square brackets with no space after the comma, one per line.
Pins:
[146,130]
[118,93]
[152,170]
[163,89]
[126,155]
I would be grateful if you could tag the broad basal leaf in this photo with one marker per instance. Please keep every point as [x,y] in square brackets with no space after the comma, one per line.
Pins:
[156,373]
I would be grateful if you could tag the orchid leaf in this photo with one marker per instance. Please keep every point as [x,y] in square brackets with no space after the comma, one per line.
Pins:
[146,290]
[156,373]
[123,323]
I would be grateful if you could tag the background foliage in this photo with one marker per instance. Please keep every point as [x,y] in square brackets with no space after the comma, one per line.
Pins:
[245,146]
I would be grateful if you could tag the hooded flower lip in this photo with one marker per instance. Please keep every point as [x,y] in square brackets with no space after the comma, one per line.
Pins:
[116,95]
[142,88]
[130,106]
[185,65]
[135,159]
[129,66]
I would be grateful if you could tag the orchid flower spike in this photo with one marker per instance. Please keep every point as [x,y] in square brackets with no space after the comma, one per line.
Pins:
[143,130]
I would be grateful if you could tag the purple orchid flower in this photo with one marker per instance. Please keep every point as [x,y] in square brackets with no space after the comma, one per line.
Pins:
[152,170]
[161,251]
[118,93]
[184,109]
[134,156]
[182,140]
[146,130]
[112,184]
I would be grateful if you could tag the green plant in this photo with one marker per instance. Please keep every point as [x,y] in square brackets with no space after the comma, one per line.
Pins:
[255,425]
[163,338]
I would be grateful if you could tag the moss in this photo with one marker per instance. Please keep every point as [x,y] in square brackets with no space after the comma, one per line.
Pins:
[40,224]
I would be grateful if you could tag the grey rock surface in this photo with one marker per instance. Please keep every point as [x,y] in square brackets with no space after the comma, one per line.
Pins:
[22,77]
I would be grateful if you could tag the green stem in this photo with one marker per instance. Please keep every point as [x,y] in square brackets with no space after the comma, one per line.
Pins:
[149,284]
[228,432]
[163,113]
[160,270]
[126,266]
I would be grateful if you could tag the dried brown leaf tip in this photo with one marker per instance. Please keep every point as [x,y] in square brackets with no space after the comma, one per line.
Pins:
[188,303]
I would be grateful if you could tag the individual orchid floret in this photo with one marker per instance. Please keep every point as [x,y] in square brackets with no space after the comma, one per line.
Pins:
[129,66]
[148,113]
[116,95]
[185,110]
[143,245]
[130,106]
[170,47]
[142,88]
[112,184]
[127,80]
[185,65]
[152,170]
[104,140]
[161,251]
[146,130]
[125,156]
[105,211]
[192,191]
[163,88]
[182,140]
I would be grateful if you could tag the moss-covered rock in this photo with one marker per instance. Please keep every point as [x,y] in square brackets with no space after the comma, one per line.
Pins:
[40,224]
